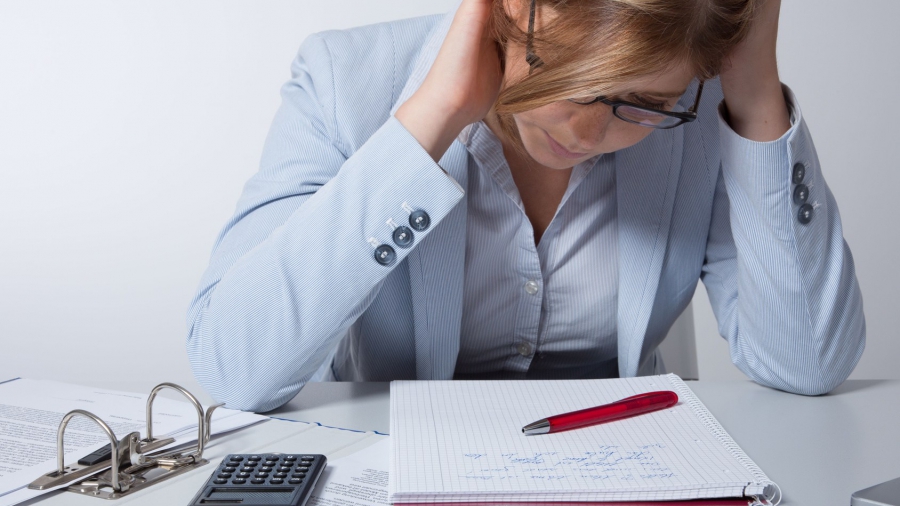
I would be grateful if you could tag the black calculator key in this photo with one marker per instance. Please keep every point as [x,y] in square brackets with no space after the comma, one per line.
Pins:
[251,464]
[238,481]
[302,468]
[266,469]
[229,469]
[307,457]
[224,476]
[290,458]
[284,469]
[236,458]
[294,481]
[247,469]
[276,481]
[280,475]
[257,481]
[243,475]
[254,458]
[220,481]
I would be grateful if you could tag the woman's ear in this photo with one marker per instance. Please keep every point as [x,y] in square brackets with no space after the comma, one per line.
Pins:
[518,10]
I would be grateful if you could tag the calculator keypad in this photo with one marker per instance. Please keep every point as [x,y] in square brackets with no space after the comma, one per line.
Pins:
[264,479]
[262,469]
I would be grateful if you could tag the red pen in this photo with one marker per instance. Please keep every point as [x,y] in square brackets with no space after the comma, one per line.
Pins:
[627,407]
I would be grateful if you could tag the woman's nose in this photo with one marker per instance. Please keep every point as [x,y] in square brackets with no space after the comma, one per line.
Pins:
[590,124]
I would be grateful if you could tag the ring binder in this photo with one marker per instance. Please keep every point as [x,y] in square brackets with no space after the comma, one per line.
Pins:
[131,466]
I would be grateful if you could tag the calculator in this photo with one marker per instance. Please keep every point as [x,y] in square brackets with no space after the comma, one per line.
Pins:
[262,480]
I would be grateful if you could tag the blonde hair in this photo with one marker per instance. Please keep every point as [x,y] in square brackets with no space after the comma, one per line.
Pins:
[592,46]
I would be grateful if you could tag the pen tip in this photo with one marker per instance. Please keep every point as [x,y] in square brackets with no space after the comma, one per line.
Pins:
[538,427]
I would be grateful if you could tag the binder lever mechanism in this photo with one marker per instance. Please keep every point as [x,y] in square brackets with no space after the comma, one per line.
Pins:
[133,463]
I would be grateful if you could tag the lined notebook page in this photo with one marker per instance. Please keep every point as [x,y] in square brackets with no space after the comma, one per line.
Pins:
[463,441]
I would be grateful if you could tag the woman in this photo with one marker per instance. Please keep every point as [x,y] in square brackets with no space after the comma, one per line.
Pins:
[530,190]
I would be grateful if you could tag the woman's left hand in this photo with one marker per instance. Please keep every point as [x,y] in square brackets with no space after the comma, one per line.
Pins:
[753,96]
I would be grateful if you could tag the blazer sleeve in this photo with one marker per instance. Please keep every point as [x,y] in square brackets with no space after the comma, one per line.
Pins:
[779,275]
[295,266]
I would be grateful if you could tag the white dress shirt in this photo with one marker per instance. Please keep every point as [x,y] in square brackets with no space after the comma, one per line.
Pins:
[545,310]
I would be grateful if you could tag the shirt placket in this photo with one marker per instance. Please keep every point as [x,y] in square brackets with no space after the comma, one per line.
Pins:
[530,299]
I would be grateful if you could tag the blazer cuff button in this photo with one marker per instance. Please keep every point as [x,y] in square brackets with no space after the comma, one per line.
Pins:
[403,237]
[805,214]
[385,255]
[419,220]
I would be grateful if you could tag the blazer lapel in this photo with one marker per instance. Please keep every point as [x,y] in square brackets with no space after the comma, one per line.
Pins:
[646,181]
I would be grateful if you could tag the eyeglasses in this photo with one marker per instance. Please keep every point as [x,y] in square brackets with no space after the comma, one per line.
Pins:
[627,111]
[647,116]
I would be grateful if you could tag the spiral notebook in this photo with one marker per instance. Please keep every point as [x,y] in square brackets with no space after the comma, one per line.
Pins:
[461,441]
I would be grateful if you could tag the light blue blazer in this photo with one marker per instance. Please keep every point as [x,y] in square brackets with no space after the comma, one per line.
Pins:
[293,274]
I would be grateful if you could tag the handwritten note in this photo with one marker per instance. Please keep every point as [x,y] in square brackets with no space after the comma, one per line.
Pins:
[603,463]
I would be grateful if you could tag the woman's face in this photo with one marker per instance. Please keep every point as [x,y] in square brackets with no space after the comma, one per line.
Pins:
[563,134]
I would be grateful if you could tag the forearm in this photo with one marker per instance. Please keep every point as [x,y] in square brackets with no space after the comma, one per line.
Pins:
[756,107]
[434,126]
[754,103]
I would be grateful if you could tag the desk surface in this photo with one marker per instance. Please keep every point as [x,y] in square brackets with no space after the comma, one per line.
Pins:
[818,449]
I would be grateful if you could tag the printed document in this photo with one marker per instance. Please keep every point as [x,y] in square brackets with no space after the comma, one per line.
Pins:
[31,410]
[359,479]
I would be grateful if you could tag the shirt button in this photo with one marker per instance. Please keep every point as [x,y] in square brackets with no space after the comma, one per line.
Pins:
[531,287]
[524,349]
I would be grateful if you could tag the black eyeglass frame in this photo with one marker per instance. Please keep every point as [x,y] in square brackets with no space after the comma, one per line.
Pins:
[684,117]
[534,61]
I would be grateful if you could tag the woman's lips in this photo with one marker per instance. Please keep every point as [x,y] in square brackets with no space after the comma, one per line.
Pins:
[561,151]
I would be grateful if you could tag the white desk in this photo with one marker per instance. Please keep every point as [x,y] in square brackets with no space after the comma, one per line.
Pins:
[818,449]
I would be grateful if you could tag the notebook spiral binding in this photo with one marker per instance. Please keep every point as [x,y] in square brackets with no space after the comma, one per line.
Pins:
[772,492]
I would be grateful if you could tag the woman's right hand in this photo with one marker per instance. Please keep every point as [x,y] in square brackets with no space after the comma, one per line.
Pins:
[461,86]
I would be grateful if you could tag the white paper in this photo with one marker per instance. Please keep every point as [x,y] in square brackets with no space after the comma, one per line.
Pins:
[359,479]
[30,412]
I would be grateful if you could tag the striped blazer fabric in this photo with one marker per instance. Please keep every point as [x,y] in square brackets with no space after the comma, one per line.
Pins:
[293,287]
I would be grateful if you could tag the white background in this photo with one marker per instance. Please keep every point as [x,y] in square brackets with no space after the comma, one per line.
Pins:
[127,130]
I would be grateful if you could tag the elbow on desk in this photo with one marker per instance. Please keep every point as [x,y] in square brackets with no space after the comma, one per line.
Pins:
[239,390]
[228,381]
[245,396]
[256,400]
[817,374]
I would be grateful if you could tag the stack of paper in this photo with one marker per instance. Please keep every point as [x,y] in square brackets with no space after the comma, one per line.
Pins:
[30,412]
